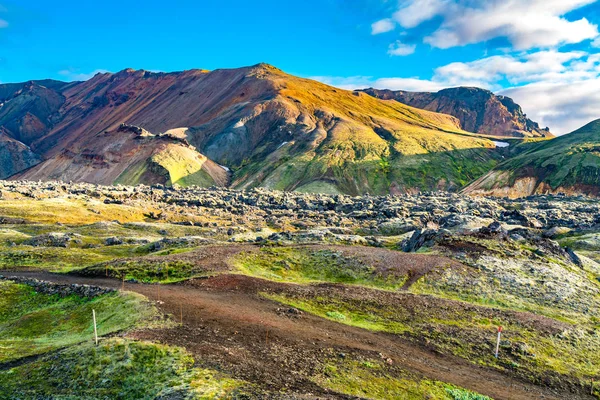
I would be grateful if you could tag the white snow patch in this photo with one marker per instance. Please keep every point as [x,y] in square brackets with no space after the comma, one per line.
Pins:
[282,144]
[224,167]
[501,144]
[239,124]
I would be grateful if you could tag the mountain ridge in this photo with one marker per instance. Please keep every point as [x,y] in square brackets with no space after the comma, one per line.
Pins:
[270,129]
[568,164]
[479,110]
[266,127]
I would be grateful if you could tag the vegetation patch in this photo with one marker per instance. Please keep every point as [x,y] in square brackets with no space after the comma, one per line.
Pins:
[373,379]
[70,211]
[58,259]
[544,351]
[34,323]
[147,271]
[305,265]
[117,369]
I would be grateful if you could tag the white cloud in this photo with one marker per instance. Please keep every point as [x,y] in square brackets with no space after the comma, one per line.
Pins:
[548,65]
[3,23]
[401,49]
[74,75]
[526,24]
[382,26]
[364,82]
[409,84]
[557,89]
[564,107]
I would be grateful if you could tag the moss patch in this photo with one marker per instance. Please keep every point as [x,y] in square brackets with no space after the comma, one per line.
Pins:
[117,369]
[34,323]
[305,265]
[372,379]
[544,352]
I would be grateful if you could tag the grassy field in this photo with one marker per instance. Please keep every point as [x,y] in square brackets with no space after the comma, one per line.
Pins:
[34,323]
[117,369]
[373,379]
[544,351]
[306,265]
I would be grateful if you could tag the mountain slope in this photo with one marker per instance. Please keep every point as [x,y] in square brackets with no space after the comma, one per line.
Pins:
[569,164]
[130,155]
[478,110]
[14,156]
[269,128]
[28,110]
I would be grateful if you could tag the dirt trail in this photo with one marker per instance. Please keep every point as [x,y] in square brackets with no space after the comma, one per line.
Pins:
[227,324]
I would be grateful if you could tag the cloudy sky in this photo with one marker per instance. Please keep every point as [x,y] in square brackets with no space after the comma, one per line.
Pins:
[543,53]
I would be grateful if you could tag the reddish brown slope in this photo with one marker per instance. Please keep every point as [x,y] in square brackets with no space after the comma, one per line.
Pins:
[271,128]
[130,155]
[155,101]
[478,110]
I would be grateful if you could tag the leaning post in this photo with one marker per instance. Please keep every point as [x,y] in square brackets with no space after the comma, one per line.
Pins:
[498,342]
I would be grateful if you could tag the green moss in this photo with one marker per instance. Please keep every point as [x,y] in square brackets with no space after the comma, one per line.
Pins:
[339,311]
[167,271]
[530,353]
[461,394]
[117,369]
[58,259]
[374,380]
[304,265]
[318,187]
[34,323]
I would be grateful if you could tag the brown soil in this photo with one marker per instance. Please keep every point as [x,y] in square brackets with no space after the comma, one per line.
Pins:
[228,326]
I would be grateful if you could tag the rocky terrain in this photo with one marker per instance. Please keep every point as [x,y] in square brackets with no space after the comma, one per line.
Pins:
[478,110]
[291,295]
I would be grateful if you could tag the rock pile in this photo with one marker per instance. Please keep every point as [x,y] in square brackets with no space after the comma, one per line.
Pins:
[59,289]
[373,214]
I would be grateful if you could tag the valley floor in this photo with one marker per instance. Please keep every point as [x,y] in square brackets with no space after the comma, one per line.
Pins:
[226,322]
[209,294]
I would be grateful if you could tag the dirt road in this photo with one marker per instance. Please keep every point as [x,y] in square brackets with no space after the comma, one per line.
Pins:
[226,324]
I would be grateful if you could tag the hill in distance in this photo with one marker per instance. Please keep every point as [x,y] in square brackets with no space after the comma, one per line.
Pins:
[262,127]
[478,110]
[568,164]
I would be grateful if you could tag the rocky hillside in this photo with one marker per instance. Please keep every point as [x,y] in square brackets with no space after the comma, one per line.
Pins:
[264,126]
[568,164]
[27,111]
[478,110]
[130,155]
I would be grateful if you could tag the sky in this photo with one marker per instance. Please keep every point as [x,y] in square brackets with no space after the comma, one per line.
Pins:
[545,54]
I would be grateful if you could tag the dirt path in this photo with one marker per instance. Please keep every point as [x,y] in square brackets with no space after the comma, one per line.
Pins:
[227,325]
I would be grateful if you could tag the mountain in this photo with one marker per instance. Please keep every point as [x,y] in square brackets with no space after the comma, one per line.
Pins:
[130,155]
[478,110]
[261,126]
[27,112]
[568,164]
[15,156]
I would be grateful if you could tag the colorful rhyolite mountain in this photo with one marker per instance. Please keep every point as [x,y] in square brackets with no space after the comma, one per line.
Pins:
[478,110]
[248,127]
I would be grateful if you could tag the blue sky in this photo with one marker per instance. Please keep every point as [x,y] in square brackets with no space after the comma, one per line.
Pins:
[544,53]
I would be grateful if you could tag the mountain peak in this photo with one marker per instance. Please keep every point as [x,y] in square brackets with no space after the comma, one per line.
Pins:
[479,110]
